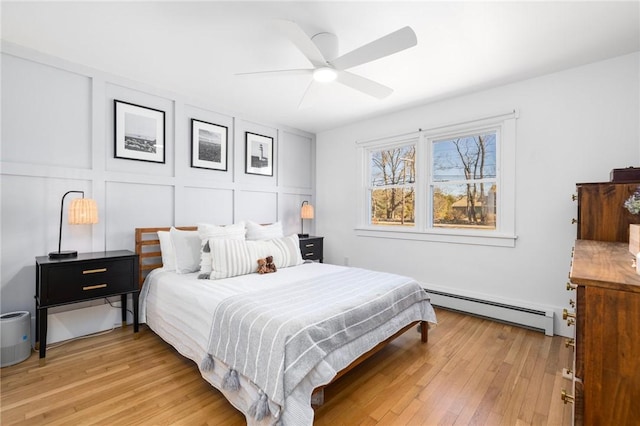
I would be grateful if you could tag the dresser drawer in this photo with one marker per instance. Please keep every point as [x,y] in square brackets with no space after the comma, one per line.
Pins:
[87,280]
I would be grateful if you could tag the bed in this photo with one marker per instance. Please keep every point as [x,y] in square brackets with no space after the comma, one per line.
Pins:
[268,354]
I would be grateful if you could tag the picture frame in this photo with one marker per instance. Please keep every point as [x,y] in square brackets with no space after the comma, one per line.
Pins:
[209,144]
[259,154]
[139,132]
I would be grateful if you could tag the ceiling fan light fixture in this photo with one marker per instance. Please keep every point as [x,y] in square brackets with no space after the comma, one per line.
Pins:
[324,74]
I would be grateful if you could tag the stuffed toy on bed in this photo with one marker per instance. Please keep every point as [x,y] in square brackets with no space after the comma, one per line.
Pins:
[266,265]
[270,265]
[262,266]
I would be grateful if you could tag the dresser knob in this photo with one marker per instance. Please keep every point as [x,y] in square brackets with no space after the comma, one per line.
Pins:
[566,398]
[571,286]
[570,342]
[566,314]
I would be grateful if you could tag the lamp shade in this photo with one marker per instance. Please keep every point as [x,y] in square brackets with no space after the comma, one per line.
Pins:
[83,211]
[306,212]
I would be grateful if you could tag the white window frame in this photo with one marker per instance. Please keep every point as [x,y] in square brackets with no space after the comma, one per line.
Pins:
[396,143]
[504,234]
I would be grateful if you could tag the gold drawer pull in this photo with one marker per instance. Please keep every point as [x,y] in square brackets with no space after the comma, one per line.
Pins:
[94,287]
[309,245]
[571,286]
[570,342]
[566,398]
[94,271]
[566,314]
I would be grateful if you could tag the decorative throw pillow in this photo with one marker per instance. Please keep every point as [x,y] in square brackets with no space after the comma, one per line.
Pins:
[206,231]
[255,231]
[287,252]
[231,258]
[186,245]
[166,248]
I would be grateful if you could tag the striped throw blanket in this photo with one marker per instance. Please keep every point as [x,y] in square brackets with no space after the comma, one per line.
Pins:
[275,337]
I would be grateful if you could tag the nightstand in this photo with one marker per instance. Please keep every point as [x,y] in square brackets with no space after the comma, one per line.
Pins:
[85,277]
[311,248]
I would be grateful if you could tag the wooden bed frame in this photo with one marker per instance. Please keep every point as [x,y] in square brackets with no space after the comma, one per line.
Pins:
[150,258]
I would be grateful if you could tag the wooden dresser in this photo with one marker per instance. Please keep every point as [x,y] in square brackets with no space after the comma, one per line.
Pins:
[606,371]
[601,215]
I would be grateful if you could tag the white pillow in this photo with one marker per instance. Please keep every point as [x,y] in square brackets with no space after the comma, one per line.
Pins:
[186,245]
[166,248]
[287,252]
[206,231]
[255,231]
[231,258]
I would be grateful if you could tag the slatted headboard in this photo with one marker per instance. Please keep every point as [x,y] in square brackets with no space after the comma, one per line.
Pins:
[148,249]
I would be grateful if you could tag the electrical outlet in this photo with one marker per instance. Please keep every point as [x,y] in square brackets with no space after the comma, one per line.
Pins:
[567,374]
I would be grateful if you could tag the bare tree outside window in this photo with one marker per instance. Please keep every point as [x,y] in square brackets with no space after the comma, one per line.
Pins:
[464,185]
[392,186]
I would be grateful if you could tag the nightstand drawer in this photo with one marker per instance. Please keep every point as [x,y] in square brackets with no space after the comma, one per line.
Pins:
[311,248]
[87,280]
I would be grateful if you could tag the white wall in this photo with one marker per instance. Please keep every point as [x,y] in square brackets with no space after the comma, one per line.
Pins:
[57,135]
[574,126]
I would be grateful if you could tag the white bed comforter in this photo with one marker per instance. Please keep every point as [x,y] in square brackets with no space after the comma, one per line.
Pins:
[179,308]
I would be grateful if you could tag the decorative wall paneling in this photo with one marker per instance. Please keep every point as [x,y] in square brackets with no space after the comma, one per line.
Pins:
[58,134]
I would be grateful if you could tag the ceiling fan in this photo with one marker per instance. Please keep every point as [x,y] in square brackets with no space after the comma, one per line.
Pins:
[322,52]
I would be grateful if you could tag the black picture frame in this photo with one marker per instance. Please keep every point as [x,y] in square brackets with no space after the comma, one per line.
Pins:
[209,145]
[139,132]
[259,154]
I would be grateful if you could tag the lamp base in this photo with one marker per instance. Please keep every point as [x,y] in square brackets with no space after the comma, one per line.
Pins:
[303,235]
[63,254]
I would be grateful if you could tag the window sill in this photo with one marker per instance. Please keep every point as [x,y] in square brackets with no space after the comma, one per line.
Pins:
[454,237]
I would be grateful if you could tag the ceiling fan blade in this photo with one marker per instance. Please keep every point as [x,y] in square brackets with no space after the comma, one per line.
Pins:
[304,71]
[302,41]
[363,85]
[309,97]
[392,43]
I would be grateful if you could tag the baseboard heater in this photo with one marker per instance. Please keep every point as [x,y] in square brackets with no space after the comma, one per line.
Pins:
[540,320]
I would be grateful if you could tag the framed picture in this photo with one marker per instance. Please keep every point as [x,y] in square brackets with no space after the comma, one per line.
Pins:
[208,145]
[139,132]
[259,152]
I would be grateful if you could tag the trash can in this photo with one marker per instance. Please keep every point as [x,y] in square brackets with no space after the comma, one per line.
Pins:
[15,337]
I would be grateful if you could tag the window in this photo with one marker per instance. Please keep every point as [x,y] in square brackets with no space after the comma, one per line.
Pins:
[392,186]
[463,184]
[452,184]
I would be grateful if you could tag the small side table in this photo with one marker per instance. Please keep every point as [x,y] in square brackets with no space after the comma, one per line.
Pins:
[85,277]
[311,248]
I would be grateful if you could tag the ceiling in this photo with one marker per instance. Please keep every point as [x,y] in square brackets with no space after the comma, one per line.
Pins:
[196,48]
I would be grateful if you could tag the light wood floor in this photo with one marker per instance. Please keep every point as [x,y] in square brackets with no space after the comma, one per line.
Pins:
[472,371]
